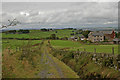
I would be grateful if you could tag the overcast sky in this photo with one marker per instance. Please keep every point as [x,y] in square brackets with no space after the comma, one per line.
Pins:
[61,14]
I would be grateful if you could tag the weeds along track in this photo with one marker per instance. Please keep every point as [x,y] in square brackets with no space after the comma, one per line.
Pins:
[90,65]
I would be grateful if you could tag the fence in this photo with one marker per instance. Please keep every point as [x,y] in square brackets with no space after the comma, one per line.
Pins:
[95,51]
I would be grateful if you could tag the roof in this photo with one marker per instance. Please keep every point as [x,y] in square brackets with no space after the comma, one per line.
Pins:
[81,36]
[106,32]
[73,37]
[116,39]
[100,33]
[97,34]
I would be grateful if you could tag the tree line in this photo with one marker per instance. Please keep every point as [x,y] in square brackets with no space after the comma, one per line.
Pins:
[21,31]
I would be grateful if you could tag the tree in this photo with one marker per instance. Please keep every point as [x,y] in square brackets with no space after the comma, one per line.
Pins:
[117,35]
[64,38]
[44,29]
[85,33]
[72,34]
[13,22]
[53,36]
[12,31]
[23,31]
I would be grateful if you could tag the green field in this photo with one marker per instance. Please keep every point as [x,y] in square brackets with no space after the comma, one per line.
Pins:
[33,62]
[70,45]
[39,34]
[36,57]
[57,43]
[17,43]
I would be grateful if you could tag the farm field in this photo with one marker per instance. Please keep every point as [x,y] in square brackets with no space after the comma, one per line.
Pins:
[34,62]
[17,43]
[48,62]
[74,46]
[40,34]
[45,64]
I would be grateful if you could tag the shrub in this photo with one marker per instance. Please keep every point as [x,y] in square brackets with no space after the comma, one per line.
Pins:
[68,57]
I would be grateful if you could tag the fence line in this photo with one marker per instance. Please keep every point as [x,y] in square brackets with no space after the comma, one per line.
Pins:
[95,51]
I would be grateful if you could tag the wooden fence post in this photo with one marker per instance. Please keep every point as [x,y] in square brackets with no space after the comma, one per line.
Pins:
[78,50]
[20,49]
[84,50]
[16,49]
[95,50]
[8,50]
[113,50]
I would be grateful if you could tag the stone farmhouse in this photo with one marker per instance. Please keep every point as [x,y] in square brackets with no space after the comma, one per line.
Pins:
[98,36]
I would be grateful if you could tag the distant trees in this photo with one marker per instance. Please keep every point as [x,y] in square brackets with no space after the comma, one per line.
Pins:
[64,38]
[117,35]
[44,29]
[11,32]
[72,34]
[23,31]
[79,31]
[85,33]
[69,28]
[53,36]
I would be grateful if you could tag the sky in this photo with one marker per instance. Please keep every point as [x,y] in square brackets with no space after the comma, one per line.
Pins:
[60,14]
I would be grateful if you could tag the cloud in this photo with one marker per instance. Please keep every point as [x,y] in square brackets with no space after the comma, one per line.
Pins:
[61,0]
[24,13]
[71,14]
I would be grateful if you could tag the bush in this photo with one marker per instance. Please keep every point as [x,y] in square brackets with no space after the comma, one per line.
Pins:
[23,31]
[72,34]
[72,63]
[88,42]
[68,57]
[11,32]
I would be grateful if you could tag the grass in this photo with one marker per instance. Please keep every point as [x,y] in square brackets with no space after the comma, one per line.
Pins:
[83,65]
[17,43]
[14,68]
[73,46]
[31,64]
[39,34]
[68,72]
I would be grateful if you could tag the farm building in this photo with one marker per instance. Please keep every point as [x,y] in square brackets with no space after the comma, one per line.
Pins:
[109,35]
[73,38]
[81,37]
[77,37]
[97,36]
